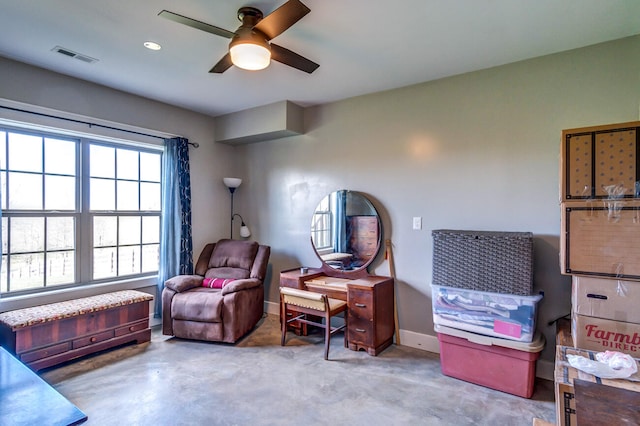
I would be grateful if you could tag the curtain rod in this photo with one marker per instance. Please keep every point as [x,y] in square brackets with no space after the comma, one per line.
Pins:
[90,124]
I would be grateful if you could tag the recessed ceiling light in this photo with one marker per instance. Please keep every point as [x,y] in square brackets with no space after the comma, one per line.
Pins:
[152,45]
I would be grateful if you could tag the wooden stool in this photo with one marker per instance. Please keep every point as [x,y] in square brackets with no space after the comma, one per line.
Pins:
[309,303]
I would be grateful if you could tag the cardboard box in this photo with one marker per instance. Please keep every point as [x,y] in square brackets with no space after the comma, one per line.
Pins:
[495,363]
[593,159]
[611,299]
[598,334]
[564,376]
[601,238]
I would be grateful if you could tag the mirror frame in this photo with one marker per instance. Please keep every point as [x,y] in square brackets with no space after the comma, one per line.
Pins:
[362,270]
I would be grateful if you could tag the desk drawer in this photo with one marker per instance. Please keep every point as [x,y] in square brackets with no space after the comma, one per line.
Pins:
[360,331]
[360,304]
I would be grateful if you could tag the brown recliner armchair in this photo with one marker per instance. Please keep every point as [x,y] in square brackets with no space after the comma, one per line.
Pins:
[193,311]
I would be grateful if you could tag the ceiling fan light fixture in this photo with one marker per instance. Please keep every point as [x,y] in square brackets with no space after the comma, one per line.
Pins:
[250,51]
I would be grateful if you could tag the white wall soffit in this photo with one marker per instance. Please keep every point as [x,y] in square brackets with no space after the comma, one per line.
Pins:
[273,121]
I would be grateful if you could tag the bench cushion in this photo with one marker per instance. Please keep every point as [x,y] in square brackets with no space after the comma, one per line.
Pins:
[54,311]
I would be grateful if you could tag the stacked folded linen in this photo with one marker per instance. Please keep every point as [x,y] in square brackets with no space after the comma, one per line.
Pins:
[507,316]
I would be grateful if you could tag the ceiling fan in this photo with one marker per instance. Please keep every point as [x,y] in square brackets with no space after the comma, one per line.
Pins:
[250,47]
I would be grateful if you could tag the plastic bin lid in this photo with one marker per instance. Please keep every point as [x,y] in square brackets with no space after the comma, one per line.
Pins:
[535,298]
[535,346]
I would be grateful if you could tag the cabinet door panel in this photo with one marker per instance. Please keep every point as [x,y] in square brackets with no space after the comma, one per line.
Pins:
[45,352]
[89,340]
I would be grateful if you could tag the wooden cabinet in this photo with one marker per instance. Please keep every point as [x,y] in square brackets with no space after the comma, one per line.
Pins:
[50,343]
[370,305]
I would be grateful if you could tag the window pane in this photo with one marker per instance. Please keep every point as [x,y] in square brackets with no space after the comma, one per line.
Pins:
[60,193]
[150,229]
[127,195]
[129,230]
[60,233]
[127,164]
[103,195]
[3,150]
[27,271]
[59,157]
[129,260]
[61,268]
[104,263]
[5,241]
[102,161]
[3,189]
[25,152]
[149,196]
[105,231]
[3,275]
[25,191]
[27,234]
[150,257]
[150,167]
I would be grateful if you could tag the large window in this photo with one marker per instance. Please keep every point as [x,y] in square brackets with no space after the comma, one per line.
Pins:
[76,211]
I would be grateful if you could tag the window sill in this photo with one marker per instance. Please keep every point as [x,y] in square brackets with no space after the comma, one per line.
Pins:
[10,303]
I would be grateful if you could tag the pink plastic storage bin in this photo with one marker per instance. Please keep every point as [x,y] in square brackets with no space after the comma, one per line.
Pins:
[495,363]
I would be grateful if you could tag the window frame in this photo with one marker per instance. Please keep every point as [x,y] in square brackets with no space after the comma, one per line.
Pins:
[82,215]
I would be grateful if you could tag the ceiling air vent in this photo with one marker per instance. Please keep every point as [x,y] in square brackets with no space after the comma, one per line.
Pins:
[75,55]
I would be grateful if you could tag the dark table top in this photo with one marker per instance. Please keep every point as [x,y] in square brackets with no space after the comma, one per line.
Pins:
[26,399]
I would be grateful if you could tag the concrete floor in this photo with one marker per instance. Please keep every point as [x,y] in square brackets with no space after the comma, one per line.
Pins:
[171,381]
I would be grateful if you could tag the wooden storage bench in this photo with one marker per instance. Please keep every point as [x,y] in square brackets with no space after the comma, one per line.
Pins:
[46,335]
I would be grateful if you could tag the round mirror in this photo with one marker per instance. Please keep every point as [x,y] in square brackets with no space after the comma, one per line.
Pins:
[346,231]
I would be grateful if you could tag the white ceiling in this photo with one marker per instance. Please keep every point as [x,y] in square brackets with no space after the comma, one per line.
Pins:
[362,46]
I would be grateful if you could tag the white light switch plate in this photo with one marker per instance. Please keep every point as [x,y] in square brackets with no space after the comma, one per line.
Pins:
[417,223]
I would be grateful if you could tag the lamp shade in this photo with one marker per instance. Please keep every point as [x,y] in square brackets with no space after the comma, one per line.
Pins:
[232,182]
[249,49]
[244,231]
[250,56]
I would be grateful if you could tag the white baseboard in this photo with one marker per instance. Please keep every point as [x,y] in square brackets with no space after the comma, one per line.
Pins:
[272,308]
[419,341]
[545,369]
[153,321]
[426,342]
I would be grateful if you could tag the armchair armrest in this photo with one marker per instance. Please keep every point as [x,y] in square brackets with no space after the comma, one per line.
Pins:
[242,284]
[181,283]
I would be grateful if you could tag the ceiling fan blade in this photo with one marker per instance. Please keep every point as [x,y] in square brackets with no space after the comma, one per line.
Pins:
[222,65]
[282,18]
[196,24]
[287,57]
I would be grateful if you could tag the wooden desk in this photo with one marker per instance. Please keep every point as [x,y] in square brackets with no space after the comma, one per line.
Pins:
[26,399]
[370,305]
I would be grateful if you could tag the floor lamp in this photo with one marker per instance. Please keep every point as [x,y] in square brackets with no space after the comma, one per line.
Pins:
[232,184]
